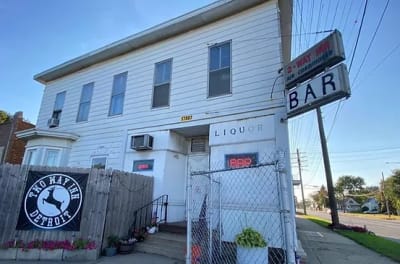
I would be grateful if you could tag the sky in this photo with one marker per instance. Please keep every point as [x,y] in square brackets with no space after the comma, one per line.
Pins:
[363,131]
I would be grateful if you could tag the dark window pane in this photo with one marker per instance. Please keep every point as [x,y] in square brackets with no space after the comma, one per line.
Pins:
[220,83]
[99,163]
[214,58]
[59,103]
[116,104]
[83,113]
[119,83]
[118,94]
[225,55]
[161,95]
[87,91]
[163,72]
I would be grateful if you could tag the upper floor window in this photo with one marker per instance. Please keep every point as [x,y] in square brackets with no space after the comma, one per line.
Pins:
[162,83]
[118,94]
[219,79]
[84,105]
[58,106]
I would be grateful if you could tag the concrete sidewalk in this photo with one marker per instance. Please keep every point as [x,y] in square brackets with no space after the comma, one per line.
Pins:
[139,258]
[325,246]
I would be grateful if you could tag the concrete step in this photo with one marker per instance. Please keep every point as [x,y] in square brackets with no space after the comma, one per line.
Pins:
[165,244]
[175,227]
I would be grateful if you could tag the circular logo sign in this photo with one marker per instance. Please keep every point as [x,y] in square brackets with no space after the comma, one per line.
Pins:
[53,201]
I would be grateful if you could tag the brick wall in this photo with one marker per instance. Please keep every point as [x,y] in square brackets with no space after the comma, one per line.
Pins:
[16,147]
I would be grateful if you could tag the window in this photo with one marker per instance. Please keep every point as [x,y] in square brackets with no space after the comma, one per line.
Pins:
[30,158]
[99,162]
[162,83]
[58,106]
[219,79]
[84,105]
[1,154]
[118,94]
[51,157]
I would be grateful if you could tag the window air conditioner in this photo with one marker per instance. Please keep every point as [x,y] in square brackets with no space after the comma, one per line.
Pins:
[142,142]
[53,122]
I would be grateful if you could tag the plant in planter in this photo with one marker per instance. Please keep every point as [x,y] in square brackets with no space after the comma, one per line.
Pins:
[112,242]
[251,247]
[126,245]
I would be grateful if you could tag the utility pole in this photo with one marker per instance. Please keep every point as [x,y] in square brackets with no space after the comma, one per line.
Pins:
[383,192]
[328,173]
[301,182]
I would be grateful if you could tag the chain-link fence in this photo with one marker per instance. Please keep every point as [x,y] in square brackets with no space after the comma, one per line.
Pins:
[223,204]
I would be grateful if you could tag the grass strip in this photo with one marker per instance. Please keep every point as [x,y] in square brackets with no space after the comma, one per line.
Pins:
[378,244]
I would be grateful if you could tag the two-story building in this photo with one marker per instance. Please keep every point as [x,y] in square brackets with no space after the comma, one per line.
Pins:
[172,99]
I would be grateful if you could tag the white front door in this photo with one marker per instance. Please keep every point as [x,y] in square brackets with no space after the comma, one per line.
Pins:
[199,183]
[198,161]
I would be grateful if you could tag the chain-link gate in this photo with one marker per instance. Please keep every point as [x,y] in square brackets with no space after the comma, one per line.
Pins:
[222,203]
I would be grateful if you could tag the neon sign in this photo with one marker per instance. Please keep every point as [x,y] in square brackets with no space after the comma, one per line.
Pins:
[243,160]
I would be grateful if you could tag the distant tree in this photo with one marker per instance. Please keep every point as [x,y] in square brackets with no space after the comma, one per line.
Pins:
[350,186]
[353,184]
[321,197]
[392,190]
[3,117]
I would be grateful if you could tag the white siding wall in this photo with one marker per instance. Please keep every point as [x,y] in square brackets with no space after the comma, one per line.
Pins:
[256,58]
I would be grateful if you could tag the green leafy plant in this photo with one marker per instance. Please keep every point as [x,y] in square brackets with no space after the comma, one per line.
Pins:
[250,238]
[113,241]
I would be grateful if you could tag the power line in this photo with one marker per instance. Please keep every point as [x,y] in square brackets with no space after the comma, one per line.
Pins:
[372,40]
[358,35]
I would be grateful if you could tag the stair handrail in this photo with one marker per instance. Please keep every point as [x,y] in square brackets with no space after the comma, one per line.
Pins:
[153,213]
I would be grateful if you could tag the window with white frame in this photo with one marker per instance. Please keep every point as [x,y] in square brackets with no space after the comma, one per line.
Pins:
[118,94]
[219,78]
[30,157]
[162,83]
[99,162]
[51,157]
[84,104]
[58,106]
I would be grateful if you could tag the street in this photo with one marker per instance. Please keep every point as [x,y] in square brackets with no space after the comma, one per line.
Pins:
[385,228]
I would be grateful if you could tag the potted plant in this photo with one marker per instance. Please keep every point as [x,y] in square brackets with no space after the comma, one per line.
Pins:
[112,242]
[126,245]
[251,247]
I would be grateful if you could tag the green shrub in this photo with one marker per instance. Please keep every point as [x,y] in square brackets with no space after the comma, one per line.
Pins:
[250,238]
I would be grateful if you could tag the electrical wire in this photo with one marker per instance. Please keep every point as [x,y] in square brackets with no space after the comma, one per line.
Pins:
[371,42]
[358,35]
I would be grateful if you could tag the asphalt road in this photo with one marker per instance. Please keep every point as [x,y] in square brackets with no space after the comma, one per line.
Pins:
[385,228]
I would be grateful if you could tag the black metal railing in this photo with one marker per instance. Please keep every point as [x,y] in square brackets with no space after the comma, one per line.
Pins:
[149,215]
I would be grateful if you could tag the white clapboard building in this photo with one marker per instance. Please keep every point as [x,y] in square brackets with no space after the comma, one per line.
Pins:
[172,99]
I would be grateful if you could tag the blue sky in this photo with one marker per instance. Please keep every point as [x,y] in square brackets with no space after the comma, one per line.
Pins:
[365,134]
[37,35]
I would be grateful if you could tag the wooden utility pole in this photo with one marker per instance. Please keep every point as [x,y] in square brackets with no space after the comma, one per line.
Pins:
[301,182]
[328,173]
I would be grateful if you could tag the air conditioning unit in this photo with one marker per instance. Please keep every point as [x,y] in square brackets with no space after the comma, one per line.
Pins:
[53,122]
[142,142]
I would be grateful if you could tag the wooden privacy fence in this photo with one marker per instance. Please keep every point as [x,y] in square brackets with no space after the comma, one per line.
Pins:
[109,203]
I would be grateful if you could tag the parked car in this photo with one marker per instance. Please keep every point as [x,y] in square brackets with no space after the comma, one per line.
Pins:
[373,211]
